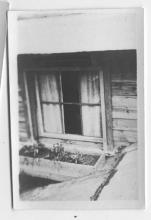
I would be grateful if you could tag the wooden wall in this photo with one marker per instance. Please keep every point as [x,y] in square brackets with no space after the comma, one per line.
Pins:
[24,133]
[124,97]
[122,67]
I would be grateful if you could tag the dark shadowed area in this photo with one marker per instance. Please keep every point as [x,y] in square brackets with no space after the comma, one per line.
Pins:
[27,182]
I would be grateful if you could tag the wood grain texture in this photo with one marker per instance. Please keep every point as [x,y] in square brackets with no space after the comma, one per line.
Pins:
[128,102]
[124,88]
[24,133]
[82,145]
[56,169]
[125,124]
[124,105]
[32,100]
[124,113]
[108,105]
[106,108]
[125,136]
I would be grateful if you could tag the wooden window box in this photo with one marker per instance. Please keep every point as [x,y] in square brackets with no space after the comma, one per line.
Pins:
[56,170]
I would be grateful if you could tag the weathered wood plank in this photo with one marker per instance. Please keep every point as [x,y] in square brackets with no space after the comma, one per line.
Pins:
[129,102]
[125,136]
[57,169]
[124,124]
[122,88]
[118,75]
[32,100]
[38,113]
[72,137]
[30,128]
[106,108]
[76,146]
[24,128]
[124,113]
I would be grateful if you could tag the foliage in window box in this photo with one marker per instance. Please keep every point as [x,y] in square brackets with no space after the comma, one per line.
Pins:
[57,153]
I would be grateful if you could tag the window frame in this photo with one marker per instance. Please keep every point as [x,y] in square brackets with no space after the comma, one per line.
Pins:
[72,137]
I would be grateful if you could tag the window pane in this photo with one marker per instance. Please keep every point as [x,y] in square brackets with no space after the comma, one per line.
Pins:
[91,121]
[90,93]
[72,119]
[52,118]
[90,87]
[49,88]
[70,86]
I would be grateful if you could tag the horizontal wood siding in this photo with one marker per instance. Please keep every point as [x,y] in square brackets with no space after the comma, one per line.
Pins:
[126,88]
[124,114]
[124,96]
[24,133]
[124,102]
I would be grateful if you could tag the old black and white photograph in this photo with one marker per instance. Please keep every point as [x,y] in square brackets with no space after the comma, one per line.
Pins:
[76,100]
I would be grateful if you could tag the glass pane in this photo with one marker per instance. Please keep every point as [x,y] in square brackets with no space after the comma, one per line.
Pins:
[91,121]
[72,119]
[90,89]
[90,93]
[52,118]
[70,86]
[49,87]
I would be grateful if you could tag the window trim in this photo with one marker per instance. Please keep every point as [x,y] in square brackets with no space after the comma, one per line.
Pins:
[105,129]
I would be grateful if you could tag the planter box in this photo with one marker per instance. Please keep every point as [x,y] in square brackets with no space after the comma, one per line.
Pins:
[56,170]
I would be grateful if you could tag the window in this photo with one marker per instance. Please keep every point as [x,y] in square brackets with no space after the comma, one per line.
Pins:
[68,103]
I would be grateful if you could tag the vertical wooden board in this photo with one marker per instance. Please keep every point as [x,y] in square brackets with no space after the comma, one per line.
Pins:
[32,101]
[61,106]
[38,111]
[49,88]
[52,118]
[91,121]
[28,107]
[106,107]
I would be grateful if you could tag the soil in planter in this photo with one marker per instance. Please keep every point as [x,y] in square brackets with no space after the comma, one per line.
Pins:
[84,159]
[59,154]
[27,182]
[29,151]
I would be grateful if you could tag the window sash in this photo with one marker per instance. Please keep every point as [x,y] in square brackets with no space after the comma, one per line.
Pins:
[41,131]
